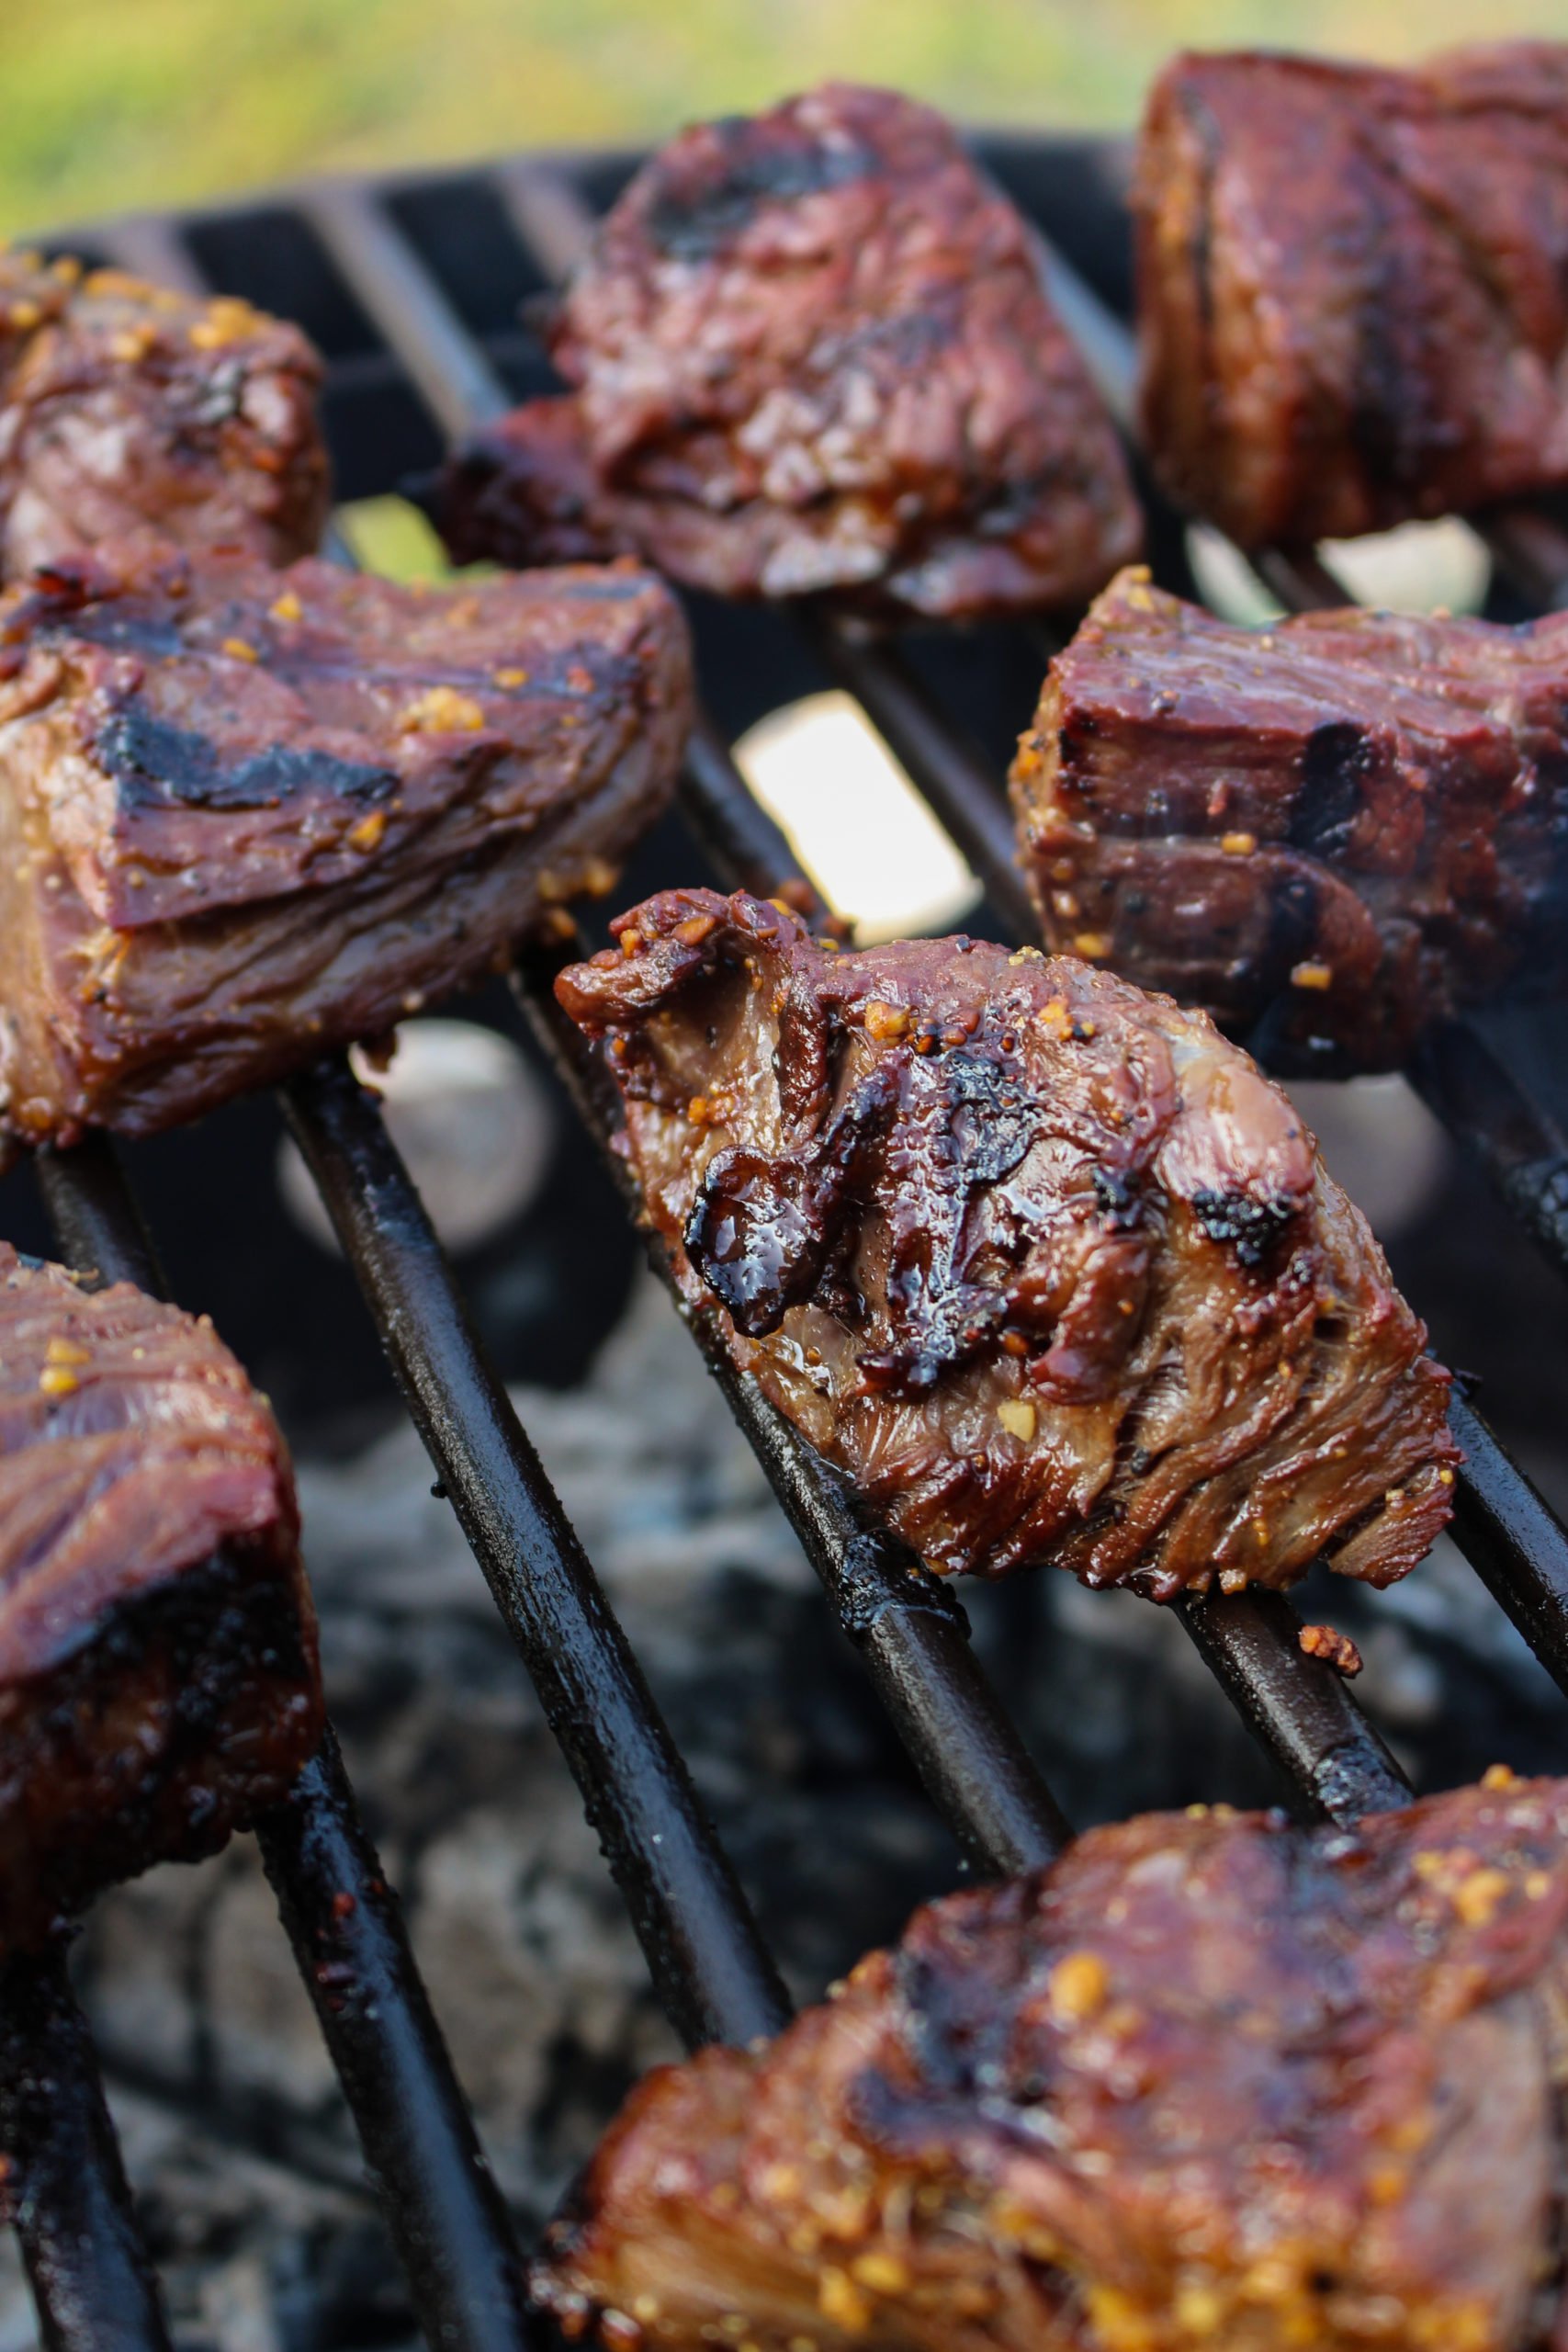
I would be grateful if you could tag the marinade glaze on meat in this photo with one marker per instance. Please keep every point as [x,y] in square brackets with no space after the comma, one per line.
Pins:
[1043,1262]
[1352,296]
[1208,2081]
[158,1682]
[128,411]
[811,352]
[1344,826]
[246,816]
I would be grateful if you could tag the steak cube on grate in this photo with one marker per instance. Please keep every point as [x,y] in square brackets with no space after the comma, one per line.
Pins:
[246,816]
[158,1679]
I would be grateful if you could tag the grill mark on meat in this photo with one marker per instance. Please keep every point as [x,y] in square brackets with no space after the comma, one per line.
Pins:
[158,1679]
[1209,2079]
[848,383]
[1372,341]
[153,761]
[694,224]
[247,815]
[1041,1263]
[1331,834]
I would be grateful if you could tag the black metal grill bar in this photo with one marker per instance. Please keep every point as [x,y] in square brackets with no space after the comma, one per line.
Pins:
[912,1638]
[713,1973]
[443,2211]
[63,2185]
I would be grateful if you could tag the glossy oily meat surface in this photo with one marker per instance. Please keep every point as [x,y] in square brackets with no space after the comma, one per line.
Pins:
[1043,1262]
[812,356]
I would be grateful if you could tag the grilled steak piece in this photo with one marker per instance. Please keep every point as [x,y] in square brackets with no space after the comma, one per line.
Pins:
[1351,289]
[128,411]
[1044,1263]
[246,816]
[813,354]
[1209,2080]
[158,1680]
[1342,827]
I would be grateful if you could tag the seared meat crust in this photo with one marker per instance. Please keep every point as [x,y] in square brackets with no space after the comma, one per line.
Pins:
[246,816]
[1210,2080]
[130,411]
[813,354]
[1351,287]
[1344,827]
[1048,1266]
[158,1679]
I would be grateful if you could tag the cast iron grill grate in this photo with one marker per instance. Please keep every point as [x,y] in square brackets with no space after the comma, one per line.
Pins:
[411,288]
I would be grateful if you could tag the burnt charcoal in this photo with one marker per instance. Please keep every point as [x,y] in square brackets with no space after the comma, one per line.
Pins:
[158,1679]
[1209,2079]
[130,411]
[811,355]
[246,816]
[1044,1263]
[1350,287]
[1346,827]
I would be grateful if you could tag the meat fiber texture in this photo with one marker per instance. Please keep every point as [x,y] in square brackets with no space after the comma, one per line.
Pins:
[1331,834]
[1044,1263]
[128,411]
[158,1677]
[812,354]
[1351,288]
[248,816]
[1209,2080]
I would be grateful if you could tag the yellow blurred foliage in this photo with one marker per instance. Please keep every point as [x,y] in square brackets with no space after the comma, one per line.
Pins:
[110,105]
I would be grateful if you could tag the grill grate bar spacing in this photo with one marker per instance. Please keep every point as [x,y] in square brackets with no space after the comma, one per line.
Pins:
[712,1970]
[913,1640]
[64,2187]
[445,2213]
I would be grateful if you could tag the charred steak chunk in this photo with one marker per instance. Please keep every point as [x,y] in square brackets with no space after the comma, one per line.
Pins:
[1351,288]
[1343,827]
[1044,1263]
[246,816]
[812,352]
[158,1682]
[128,411]
[1209,2080]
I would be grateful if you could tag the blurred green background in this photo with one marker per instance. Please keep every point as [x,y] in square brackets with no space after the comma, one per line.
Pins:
[111,105]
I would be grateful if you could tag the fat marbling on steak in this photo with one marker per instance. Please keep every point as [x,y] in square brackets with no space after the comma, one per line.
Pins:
[1208,2081]
[129,410]
[158,1682]
[811,352]
[246,816]
[1044,1263]
[1344,827]
[1352,294]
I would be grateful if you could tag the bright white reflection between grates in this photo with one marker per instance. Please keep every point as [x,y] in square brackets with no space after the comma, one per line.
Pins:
[1419,567]
[472,1121]
[855,822]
